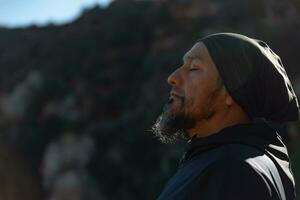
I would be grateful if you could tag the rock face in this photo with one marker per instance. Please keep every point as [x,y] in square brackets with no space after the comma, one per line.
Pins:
[105,75]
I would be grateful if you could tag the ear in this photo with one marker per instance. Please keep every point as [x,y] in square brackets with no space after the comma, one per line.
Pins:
[228,100]
[226,97]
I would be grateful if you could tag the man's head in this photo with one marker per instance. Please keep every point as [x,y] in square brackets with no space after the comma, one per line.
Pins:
[198,101]
[225,79]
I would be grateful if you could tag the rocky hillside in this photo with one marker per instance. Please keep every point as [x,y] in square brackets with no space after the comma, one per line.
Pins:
[104,75]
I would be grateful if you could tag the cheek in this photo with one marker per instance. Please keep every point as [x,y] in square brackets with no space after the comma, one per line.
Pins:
[192,98]
[197,93]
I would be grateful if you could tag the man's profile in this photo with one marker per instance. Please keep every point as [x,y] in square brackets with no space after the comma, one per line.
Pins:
[224,96]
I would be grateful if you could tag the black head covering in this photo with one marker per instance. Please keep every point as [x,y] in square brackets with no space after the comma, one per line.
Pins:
[254,76]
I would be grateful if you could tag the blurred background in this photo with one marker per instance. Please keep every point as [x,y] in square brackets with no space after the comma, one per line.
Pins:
[82,82]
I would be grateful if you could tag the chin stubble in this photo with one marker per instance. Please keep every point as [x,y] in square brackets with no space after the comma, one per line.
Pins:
[169,127]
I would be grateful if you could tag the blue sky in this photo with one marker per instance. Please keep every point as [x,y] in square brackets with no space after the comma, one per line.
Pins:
[20,13]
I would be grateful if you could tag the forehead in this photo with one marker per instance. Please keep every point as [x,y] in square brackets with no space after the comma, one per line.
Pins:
[198,51]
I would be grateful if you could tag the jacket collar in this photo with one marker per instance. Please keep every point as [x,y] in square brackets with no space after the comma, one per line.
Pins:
[256,134]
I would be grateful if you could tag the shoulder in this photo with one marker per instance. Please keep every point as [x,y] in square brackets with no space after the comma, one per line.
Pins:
[239,151]
[238,172]
[230,179]
[231,167]
[243,158]
[237,162]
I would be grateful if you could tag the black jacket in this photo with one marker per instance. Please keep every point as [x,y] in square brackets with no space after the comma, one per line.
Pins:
[246,161]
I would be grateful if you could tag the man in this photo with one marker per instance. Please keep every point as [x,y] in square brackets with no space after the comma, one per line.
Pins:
[224,96]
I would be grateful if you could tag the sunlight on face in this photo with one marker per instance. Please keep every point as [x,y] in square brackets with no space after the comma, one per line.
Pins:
[192,97]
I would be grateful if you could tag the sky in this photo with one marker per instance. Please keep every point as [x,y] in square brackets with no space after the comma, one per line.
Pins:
[22,13]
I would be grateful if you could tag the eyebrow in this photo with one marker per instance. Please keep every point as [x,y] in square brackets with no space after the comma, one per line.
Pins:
[188,56]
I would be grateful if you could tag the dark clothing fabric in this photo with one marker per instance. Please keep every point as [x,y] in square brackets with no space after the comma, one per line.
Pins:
[254,76]
[246,161]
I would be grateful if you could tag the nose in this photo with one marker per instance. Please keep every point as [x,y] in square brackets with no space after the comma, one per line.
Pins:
[174,79]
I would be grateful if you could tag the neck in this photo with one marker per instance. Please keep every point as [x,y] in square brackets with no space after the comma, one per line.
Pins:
[218,122]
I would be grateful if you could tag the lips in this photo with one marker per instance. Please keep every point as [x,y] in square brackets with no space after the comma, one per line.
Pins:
[176,95]
[175,98]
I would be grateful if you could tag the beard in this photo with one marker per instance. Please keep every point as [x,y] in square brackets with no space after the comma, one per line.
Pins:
[175,120]
[173,124]
[170,125]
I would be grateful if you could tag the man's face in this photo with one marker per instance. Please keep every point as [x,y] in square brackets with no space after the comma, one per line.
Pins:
[193,97]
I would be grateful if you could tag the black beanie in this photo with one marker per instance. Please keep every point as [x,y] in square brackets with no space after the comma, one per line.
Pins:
[254,76]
